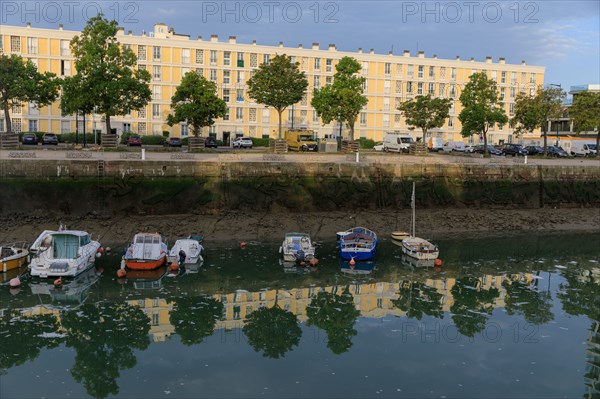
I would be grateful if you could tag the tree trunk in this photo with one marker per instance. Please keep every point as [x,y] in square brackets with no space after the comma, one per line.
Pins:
[424,134]
[195,130]
[7,117]
[598,145]
[108,129]
[545,131]
[279,112]
[351,128]
[485,147]
[84,140]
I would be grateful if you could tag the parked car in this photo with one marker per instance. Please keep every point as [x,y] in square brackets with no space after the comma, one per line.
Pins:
[50,139]
[134,141]
[535,150]
[378,146]
[172,142]
[513,149]
[242,142]
[29,139]
[469,149]
[593,150]
[480,149]
[454,146]
[556,152]
[210,142]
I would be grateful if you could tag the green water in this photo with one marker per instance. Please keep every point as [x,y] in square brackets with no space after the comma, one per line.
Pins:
[504,317]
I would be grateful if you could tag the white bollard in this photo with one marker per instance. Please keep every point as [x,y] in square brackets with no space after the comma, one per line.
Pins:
[525,161]
[357,157]
[143,154]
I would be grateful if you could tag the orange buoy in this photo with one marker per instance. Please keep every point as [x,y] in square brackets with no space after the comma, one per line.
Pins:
[174,266]
[352,261]
[121,273]
[58,281]
[314,262]
[243,244]
[438,262]
[100,250]
[15,282]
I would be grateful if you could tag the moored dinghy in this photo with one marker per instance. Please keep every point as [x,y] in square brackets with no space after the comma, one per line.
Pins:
[297,247]
[13,256]
[192,248]
[60,253]
[358,243]
[146,252]
[415,247]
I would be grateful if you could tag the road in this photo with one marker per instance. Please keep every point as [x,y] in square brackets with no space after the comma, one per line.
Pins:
[226,154]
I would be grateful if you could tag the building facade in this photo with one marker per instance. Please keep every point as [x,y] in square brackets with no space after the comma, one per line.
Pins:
[391,80]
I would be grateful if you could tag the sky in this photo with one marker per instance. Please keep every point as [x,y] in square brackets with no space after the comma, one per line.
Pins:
[563,36]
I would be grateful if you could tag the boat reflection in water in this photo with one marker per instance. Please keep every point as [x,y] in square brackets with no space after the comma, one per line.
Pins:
[358,268]
[296,268]
[146,279]
[414,263]
[69,293]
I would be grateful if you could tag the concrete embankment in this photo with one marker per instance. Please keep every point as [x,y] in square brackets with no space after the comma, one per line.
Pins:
[75,187]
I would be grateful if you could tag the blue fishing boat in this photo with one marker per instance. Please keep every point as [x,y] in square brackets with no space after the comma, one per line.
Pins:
[358,243]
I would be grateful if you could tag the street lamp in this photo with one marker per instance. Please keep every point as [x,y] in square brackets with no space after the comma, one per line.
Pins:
[560,87]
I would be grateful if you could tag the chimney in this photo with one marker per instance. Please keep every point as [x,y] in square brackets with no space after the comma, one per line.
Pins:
[372,51]
[360,50]
[60,26]
[129,33]
[143,33]
[435,56]
[421,54]
[232,40]
[472,59]
[523,63]
[406,53]
[390,52]
[332,47]
[315,46]
[29,24]
[300,45]
[458,58]
[502,60]
[254,42]
[488,60]
[280,44]
[199,38]
[214,38]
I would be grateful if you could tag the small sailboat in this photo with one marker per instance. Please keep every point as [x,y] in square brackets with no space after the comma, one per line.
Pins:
[297,247]
[358,243]
[13,256]
[416,247]
[62,252]
[146,252]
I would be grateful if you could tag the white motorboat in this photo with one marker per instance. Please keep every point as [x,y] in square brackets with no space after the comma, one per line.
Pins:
[297,247]
[192,249]
[415,247]
[61,253]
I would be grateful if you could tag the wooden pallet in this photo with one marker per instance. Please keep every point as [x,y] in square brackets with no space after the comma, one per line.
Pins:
[9,142]
[278,146]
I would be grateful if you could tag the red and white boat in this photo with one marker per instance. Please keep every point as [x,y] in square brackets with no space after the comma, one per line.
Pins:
[147,252]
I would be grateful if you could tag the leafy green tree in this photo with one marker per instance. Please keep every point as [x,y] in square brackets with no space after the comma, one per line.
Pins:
[105,71]
[74,99]
[194,318]
[344,99]
[585,113]
[522,298]
[196,102]
[426,113]
[104,337]
[481,107]
[534,112]
[273,331]
[22,337]
[336,315]
[278,84]
[20,81]
[416,299]
[472,305]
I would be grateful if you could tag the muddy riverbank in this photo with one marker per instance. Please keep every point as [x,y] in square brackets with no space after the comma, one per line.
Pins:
[267,226]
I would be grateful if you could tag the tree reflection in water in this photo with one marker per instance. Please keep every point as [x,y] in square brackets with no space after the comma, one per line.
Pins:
[104,337]
[472,306]
[194,318]
[416,299]
[581,297]
[272,331]
[525,299]
[336,315]
[22,338]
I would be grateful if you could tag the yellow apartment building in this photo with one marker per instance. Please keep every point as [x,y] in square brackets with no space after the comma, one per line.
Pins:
[391,79]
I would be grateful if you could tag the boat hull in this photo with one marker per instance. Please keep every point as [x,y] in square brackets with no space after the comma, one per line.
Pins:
[357,256]
[413,249]
[145,264]
[13,262]
[71,270]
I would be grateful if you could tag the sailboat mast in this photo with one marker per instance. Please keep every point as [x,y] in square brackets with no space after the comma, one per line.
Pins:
[413,210]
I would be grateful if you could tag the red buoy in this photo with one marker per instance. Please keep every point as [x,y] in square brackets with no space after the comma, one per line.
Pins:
[100,250]
[314,262]
[243,244]
[174,266]
[58,281]
[438,262]
[352,262]
[121,273]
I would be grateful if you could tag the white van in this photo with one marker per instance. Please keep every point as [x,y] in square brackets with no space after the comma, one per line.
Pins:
[436,144]
[581,148]
[453,146]
[397,142]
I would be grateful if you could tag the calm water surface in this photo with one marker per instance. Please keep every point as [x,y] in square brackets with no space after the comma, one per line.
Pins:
[503,317]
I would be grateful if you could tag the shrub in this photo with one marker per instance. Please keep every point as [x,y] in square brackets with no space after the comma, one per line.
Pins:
[166,134]
[125,136]
[185,141]
[366,144]
[70,138]
[259,142]
[153,140]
